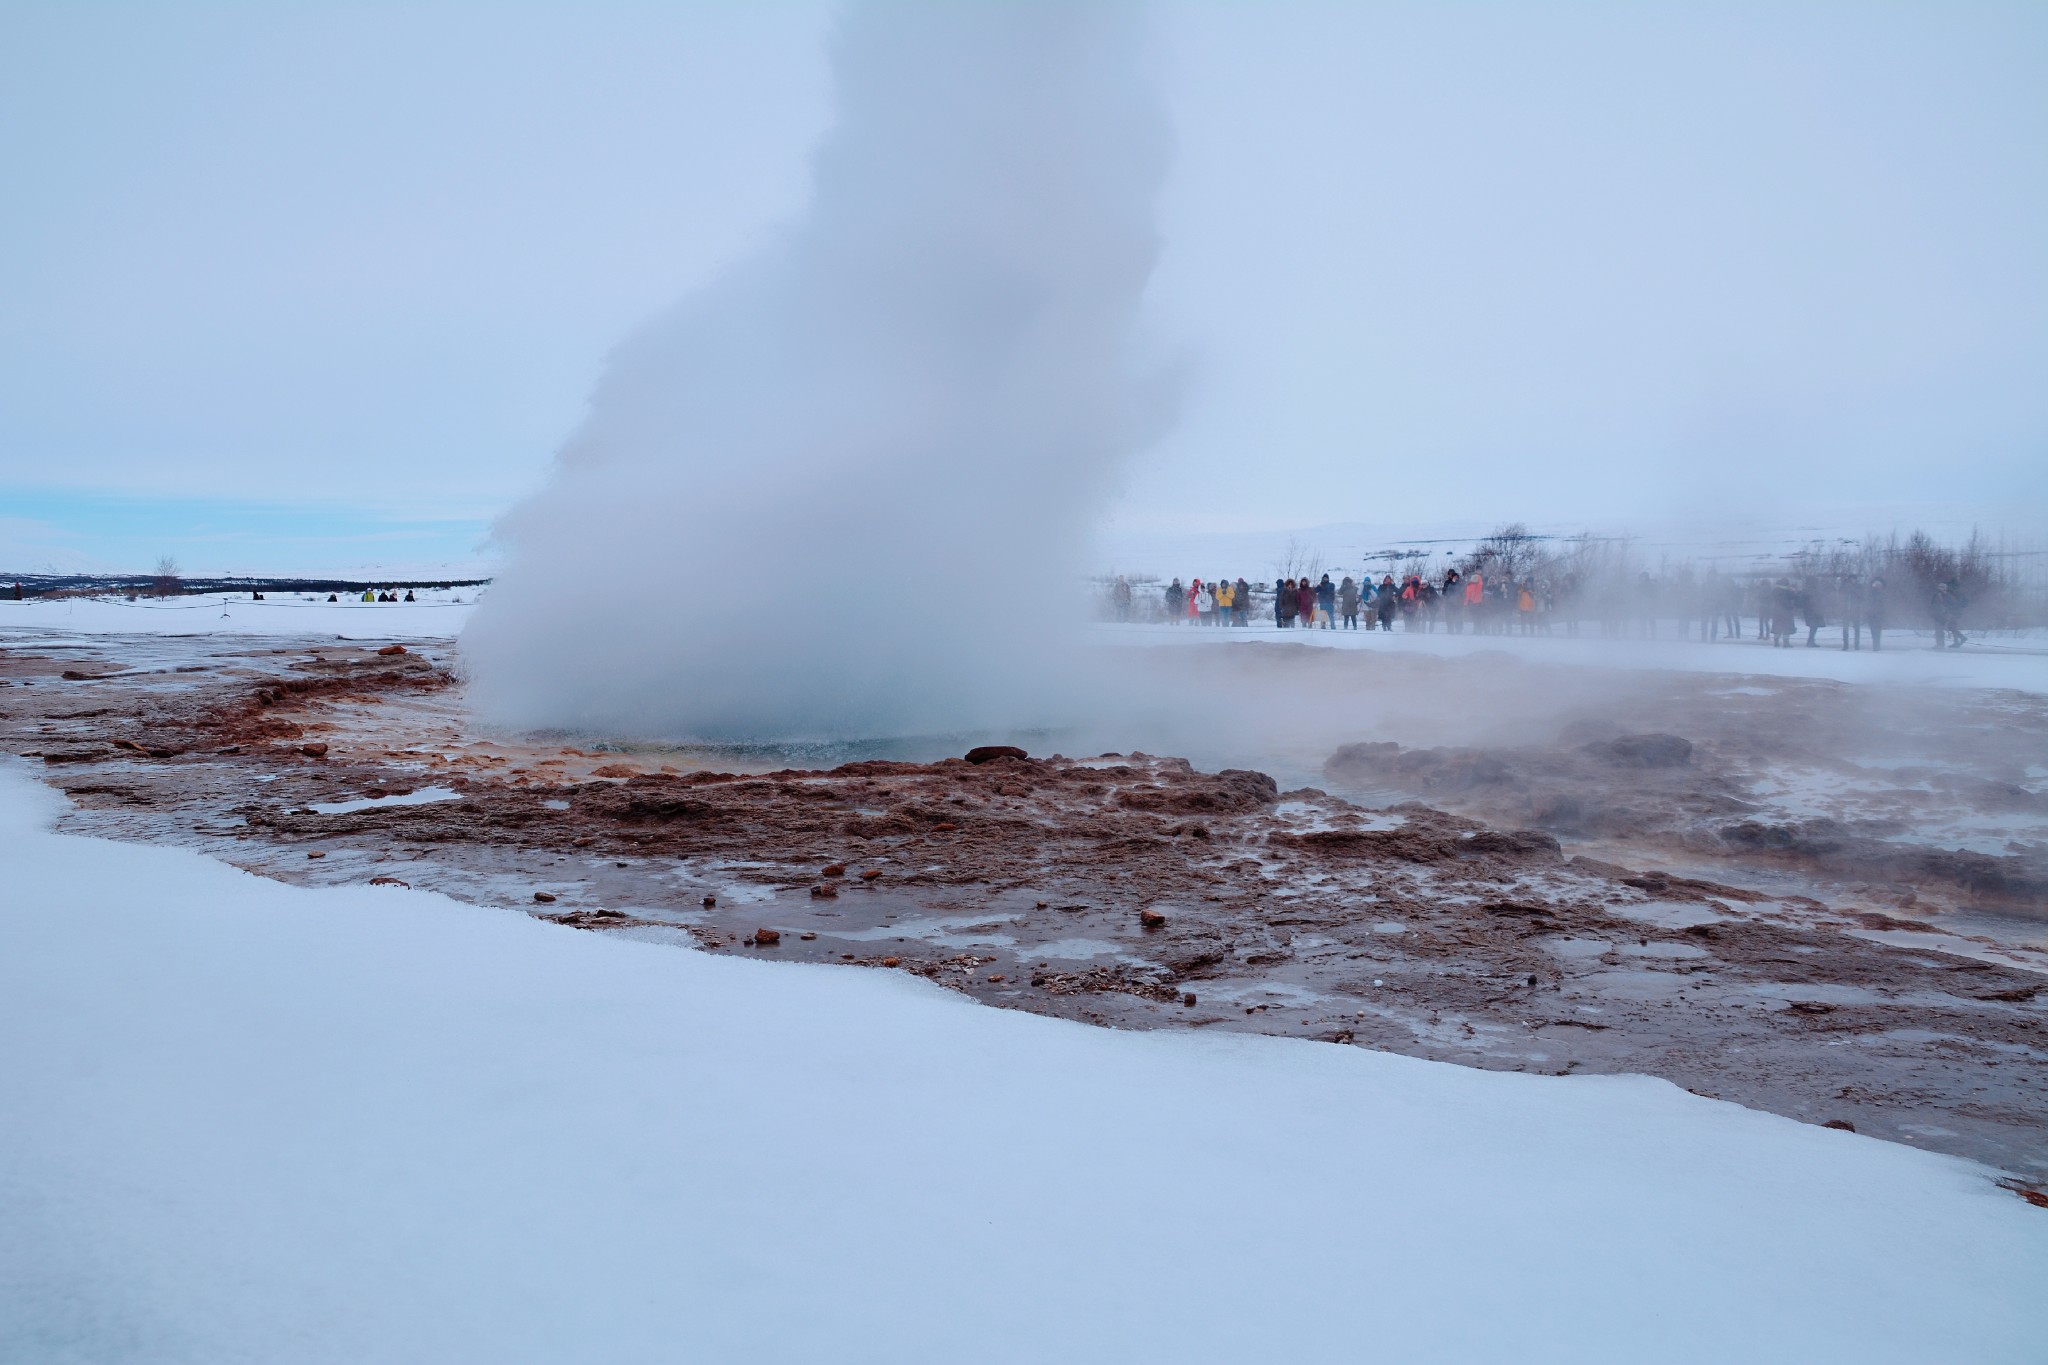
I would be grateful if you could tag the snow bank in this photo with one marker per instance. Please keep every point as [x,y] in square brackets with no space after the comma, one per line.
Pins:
[241,1121]
[438,616]
[2016,660]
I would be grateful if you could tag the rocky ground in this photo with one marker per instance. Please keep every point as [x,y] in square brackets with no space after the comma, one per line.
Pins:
[1622,900]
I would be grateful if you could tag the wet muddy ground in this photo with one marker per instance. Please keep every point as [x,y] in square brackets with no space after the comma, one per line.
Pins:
[1670,888]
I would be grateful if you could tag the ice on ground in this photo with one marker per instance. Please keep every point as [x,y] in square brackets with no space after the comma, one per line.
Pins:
[242,1121]
[423,796]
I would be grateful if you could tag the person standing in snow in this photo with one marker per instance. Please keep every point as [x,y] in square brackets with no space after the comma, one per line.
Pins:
[1347,602]
[1120,599]
[1285,603]
[1783,605]
[1326,603]
[1176,598]
[1241,604]
[1387,601]
[1874,604]
[1948,613]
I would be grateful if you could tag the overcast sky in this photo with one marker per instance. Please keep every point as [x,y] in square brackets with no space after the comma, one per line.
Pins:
[1573,263]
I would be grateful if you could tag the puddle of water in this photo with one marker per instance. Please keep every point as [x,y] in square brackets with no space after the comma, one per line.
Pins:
[1665,950]
[943,933]
[1578,947]
[424,796]
[1076,948]
[1667,914]
[1823,992]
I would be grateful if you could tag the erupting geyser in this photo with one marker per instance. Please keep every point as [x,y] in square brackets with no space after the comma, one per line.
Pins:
[840,492]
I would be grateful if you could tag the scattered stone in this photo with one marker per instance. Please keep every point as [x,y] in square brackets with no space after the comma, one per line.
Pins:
[393,881]
[995,976]
[943,826]
[1151,919]
[825,891]
[892,962]
[710,901]
[1810,1007]
[544,897]
[317,853]
[871,874]
[807,937]
[767,937]
[988,753]
[389,650]
[835,870]
[1188,999]
[1843,1124]
[314,750]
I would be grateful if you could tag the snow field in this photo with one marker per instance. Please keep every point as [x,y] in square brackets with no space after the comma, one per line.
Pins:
[2014,659]
[241,1121]
[438,613]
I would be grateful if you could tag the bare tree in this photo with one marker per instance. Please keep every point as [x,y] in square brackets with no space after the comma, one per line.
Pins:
[1298,560]
[167,584]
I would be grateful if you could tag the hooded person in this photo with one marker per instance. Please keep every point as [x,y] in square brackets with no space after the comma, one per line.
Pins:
[1347,602]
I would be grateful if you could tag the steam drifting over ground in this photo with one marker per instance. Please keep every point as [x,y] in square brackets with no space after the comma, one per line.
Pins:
[931,377]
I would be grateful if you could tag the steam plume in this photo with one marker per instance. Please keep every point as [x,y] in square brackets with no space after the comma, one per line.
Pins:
[840,492]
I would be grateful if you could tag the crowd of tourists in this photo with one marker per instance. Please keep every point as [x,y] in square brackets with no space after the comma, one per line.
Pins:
[1483,603]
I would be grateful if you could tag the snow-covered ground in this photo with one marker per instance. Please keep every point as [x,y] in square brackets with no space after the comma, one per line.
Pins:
[437,613]
[2011,659]
[241,1121]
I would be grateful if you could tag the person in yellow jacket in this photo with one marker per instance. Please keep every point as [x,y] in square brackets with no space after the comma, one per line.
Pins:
[368,596]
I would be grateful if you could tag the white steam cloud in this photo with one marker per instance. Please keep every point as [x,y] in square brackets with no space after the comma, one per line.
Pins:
[841,493]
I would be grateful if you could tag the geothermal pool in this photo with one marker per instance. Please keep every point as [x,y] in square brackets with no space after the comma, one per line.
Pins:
[1810,895]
